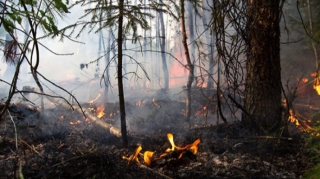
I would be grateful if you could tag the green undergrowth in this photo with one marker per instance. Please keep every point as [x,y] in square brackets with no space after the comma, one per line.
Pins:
[313,148]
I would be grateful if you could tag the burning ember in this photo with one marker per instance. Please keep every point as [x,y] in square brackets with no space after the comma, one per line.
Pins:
[316,84]
[74,123]
[202,111]
[292,118]
[100,112]
[148,155]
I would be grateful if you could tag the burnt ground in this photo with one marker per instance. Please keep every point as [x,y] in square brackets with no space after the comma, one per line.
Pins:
[48,146]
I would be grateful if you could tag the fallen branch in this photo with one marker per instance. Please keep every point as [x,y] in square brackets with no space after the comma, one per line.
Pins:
[31,147]
[113,130]
[156,172]
[271,137]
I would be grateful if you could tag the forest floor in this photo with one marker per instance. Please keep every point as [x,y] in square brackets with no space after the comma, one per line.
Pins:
[60,144]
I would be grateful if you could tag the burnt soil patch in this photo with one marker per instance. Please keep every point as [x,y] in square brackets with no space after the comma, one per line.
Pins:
[48,146]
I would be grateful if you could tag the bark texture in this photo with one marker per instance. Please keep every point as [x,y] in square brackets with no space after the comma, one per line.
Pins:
[190,65]
[163,49]
[120,79]
[262,103]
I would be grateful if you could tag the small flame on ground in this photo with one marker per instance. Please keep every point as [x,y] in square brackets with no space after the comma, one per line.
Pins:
[147,155]
[74,123]
[193,147]
[202,111]
[316,84]
[292,118]
[305,80]
[100,111]
[133,156]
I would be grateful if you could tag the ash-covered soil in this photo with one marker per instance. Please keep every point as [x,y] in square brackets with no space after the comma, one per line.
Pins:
[55,145]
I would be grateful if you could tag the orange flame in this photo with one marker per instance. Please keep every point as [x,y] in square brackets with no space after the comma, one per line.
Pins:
[74,123]
[305,80]
[147,155]
[316,84]
[202,111]
[100,111]
[133,156]
[193,147]
[292,118]
[170,138]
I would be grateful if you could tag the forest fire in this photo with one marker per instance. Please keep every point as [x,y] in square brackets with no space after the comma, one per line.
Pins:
[74,123]
[316,84]
[292,118]
[100,111]
[202,111]
[148,155]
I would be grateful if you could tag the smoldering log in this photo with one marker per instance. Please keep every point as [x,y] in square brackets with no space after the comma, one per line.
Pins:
[62,102]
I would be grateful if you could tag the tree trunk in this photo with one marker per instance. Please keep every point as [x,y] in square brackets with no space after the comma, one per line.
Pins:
[190,66]
[262,104]
[210,39]
[163,49]
[107,59]
[156,69]
[120,83]
[145,50]
[191,37]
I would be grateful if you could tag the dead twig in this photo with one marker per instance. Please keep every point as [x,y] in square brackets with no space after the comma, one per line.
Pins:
[270,137]
[154,171]
[15,130]
[73,158]
[31,147]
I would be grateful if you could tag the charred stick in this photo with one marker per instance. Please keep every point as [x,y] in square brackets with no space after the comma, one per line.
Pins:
[112,129]
[154,171]
[271,137]
[31,147]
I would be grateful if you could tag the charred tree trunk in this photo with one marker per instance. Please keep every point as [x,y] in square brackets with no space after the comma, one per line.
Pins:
[163,49]
[120,78]
[262,104]
[190,66]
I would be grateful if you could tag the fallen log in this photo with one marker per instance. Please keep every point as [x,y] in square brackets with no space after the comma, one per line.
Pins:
[64,103]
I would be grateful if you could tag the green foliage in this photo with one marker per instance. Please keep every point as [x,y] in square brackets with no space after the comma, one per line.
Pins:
[39,13]
[313,145]
[8,25]
[61,6]
[105,14]
[313,173]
